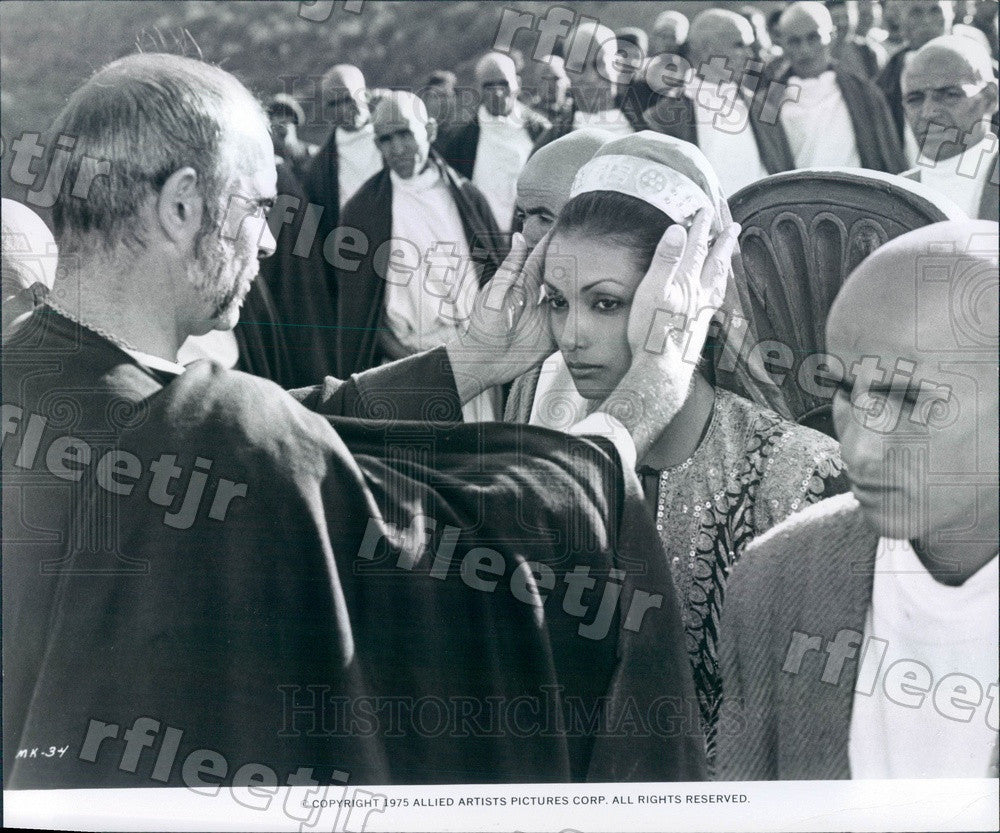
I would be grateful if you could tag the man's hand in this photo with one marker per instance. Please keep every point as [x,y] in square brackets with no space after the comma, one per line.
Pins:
[668,324]
[508,331]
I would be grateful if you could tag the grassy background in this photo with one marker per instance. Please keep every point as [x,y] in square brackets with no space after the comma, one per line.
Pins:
[47,48]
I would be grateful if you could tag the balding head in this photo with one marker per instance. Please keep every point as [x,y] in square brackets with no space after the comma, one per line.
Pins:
[721,35]
[403,132]
[806,34]
[915,327]
[545,181]
[144,115]
[949,95]
[345,96]
[161,206]
[28,248]
[496,75]
[670,33]
[28,262]
[923,20]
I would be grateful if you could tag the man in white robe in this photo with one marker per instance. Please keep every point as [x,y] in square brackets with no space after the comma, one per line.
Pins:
[491,149]
[832,117]
[949,95]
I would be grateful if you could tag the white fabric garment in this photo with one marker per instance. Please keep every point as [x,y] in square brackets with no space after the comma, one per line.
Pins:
[557,403]
[920,726]
[818,125]
[157,363]
[559,406]
[504,146]
[358,160]
[722,122]
[431,281]
[220,346]
[613,120]
[963,177]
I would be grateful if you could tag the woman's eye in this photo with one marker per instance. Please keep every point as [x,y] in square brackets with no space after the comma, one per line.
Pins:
[556,302]
[608,304]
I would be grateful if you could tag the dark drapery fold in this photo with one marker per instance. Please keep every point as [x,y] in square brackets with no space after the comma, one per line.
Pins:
[301,286]
[278,628]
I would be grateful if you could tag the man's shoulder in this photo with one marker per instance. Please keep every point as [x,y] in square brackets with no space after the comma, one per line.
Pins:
[832,530]
[359,205]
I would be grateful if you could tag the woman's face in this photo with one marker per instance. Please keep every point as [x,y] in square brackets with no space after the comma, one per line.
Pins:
[589,285]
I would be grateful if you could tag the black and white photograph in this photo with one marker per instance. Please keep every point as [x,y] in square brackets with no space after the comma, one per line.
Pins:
[457,415]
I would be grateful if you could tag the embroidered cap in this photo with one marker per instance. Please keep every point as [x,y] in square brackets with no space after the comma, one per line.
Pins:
[673,193]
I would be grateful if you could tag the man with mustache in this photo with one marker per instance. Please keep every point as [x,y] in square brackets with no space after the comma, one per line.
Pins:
[186,581]
[949,97]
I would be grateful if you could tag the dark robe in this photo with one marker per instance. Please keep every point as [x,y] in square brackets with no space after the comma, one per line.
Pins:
[458,145]
[675,116]
[879,144]
[889,82]
[268,630]
[301,288]
[361,291]
[260,338]
[322,184]
[561,124]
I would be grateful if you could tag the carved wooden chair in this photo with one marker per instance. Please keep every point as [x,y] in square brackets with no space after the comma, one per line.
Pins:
[803,233]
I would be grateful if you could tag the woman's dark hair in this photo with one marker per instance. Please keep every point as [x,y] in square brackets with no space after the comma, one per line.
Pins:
[618,218]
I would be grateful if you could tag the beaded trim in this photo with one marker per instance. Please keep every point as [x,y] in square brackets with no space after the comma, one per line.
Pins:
[49,302]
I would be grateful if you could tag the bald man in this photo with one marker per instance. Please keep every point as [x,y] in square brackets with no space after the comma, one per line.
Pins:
[832,117]
[553,88]
[920,21]
[595,72]
[716,107]
[950,96]
[859,637]
[431,242]
[669,34]
[544,185]
[349,157]
[28,259]
[491,149]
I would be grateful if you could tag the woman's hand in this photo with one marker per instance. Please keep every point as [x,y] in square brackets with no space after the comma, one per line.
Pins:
[668,323]
[508,332]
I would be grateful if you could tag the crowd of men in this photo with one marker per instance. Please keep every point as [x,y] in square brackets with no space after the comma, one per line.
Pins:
[219,622]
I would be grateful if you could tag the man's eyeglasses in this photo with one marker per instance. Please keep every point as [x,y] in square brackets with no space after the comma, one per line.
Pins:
[953,94]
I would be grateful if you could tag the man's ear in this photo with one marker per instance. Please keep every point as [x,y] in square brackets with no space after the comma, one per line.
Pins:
[431,131]
[179,206]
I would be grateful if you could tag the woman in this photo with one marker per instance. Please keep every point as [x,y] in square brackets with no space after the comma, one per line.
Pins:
[728,466]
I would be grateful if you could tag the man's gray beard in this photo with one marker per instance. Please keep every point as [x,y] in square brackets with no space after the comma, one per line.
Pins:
[207,271]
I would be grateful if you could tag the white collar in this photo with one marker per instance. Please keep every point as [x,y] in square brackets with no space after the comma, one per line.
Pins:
[515,118]
[973,157]
[155,362]
[424,181]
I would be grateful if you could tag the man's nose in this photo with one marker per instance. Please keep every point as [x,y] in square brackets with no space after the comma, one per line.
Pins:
[267,245]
